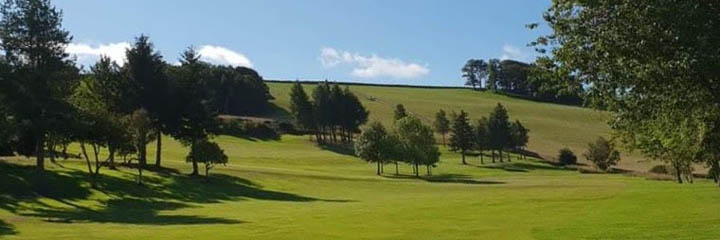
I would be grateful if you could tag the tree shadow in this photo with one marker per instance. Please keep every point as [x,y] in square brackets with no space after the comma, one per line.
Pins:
[6,228]
[127,203]
[523,167]
[447,178]
[343,149]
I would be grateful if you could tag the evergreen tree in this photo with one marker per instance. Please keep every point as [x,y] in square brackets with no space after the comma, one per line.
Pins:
[499,130]
[301,107]
[208,153]
[441,124]
[355,114]
[518,136]
[322,110]
[462,136]
[372,146]
[493,74]
[34,42]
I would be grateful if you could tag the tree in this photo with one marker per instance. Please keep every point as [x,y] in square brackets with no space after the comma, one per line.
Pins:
[441,124]
[400,112]
[474,71]
[417,143]
[148,89]
[498,131]
[482,138]
[197,118]
[602,153]
[141,132]
[104,86]
[518,136]
[34,42]
[493,69]
[208,153]
[462,136]
[653,63]
[371,145]
[301,107]
[567,157]
[354,114]
[322,109]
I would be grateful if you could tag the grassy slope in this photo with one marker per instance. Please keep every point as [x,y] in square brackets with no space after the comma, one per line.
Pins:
[552,126]
[291,189]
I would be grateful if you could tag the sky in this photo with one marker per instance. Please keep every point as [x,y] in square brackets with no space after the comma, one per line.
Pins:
[420,42]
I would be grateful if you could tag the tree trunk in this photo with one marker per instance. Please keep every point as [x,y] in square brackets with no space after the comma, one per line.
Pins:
[716,167]
[463,157]
[111,156]
[678,173]
[428,169]
[40,153]
[51,148]
[64,152]
[158,151]
[417,170]
[482,162]
[378,168]
[140,168]
[195,168]
[97,161]
[500,153]
[492,153]
[397,172]
[444,142]
[89,166]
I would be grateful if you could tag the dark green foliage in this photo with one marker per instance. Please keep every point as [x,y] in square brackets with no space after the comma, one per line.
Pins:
[474,71]
[237,91]
[400,112]
[518,136]
[659,169]
[441,124]
[337,113]
[462,135]
[482,137]
[566,157]
[208,153]
[301,107]
[493,72]
[39,76]
[499,135]
[602,153]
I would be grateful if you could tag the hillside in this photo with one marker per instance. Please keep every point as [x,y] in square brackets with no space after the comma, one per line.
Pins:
[552,126]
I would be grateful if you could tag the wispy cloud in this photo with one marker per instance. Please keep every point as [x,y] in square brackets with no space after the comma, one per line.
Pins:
[88,54]
[372,66]
[514,53]
[223,56]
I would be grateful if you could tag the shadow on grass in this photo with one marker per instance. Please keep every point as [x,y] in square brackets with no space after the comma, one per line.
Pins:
[524,167]
[6,229]
[446,178]
[344,149]
[127,202]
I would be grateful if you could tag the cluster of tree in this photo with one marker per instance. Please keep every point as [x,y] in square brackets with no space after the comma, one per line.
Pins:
[47,102]
[410,142]
[654,63]
[536,80]
[333,114]
[494,133]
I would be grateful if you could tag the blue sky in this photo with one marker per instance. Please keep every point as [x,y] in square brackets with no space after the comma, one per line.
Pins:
[399,41]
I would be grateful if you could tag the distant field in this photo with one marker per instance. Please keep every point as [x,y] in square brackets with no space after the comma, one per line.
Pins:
[292,189]
[552,126]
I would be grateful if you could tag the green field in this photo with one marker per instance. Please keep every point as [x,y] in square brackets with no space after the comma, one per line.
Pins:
[293,189]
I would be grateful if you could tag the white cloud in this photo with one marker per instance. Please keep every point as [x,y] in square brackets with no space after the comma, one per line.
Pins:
[223,56]
[87,54]
[372,66]
[514,53]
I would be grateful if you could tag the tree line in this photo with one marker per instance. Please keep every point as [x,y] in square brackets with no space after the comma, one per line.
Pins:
[536,80]
[48,102]
[494,133]
[333,114]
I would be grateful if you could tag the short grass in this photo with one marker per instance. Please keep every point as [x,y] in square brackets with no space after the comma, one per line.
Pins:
[292,189]
[552,126]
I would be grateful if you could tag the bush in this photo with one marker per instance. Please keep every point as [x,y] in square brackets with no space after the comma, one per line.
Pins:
[567,157]
[659,169]
[602,153]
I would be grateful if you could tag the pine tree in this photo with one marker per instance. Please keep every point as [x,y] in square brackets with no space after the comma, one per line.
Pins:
[301,107]
[441,124]
[462,136]
[499,130]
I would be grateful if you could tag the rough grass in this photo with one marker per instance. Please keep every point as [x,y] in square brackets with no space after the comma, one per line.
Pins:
[292,189]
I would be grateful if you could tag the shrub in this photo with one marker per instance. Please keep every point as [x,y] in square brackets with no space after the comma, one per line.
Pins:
[249,129]
[602,153]
[659,169]
[567,157]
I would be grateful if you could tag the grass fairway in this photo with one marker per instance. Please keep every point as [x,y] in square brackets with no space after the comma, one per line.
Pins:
[291,189]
